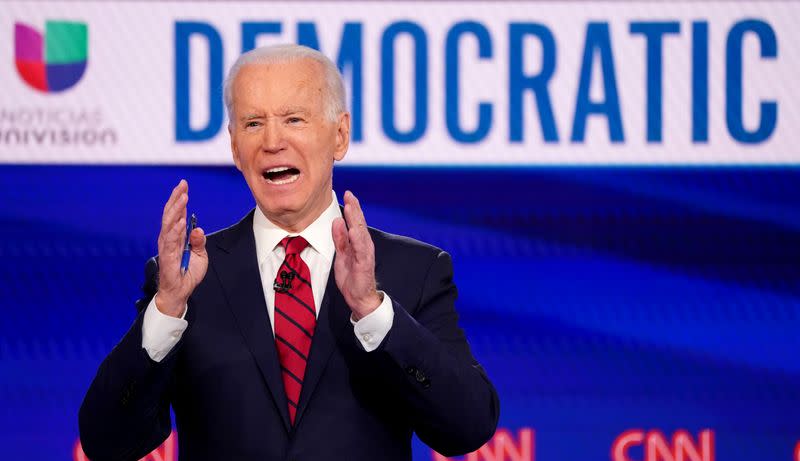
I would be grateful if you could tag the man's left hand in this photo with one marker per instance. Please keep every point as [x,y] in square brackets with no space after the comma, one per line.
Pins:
[354,267]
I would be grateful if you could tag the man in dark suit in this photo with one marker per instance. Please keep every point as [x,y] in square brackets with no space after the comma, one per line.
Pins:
[262,350]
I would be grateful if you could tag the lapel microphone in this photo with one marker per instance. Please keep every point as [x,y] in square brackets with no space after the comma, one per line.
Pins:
[285,284]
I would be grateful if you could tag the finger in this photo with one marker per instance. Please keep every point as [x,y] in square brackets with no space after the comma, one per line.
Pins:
[340,238]
[360,213]
[171,235]
[198,262]
[173,240]
[181,188]
[170,222]
[180,232]
[346,207]
[352,211]
[361,243]
[173,243]
[176,191]
[360,239]
[176,211]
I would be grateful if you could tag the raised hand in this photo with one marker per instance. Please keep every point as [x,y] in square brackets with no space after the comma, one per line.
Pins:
[354,267]
[175,287]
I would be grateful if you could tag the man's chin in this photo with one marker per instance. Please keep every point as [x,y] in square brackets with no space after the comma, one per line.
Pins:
[291,211]
[282,212]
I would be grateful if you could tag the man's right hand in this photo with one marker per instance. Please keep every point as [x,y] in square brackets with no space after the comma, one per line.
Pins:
[174,288]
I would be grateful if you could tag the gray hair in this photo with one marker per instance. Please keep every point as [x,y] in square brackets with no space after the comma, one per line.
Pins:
[334,86]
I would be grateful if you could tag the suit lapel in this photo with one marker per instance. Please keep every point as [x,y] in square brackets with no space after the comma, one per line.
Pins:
[237,269]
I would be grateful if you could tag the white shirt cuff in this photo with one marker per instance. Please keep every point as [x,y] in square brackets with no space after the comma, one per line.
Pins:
[160,332]
[373,328]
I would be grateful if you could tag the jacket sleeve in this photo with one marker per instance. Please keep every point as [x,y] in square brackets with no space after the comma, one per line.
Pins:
[125,413]
[450,402]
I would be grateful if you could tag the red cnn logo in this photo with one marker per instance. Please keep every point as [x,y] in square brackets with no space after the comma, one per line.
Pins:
[797,452]
[658,448]
[502,447]
[166,452]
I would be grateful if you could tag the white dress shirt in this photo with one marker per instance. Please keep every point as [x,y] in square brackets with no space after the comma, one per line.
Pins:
[161,332]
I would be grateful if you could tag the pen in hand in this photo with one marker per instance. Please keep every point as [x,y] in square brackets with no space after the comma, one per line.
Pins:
[187,248]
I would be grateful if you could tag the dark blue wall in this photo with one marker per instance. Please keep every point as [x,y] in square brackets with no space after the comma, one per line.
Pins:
[598,299]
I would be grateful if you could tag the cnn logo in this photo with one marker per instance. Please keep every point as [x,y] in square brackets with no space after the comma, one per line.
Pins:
[165,452]
[502,447]
[657,447]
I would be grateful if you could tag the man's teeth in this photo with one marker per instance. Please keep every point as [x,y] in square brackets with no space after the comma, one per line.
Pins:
[291,178]
[285,178]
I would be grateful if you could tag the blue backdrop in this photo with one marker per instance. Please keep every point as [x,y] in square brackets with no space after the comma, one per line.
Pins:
[599,299]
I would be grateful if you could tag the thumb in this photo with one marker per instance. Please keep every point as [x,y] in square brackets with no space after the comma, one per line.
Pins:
[340,239]
[197,239]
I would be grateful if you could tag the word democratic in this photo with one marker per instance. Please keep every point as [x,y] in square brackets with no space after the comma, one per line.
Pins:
[744,35]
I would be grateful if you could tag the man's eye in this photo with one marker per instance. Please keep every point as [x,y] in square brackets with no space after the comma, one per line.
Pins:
[295,120]
[251,124]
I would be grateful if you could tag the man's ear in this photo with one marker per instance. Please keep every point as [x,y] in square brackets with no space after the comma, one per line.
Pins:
[342,136]
[234,150]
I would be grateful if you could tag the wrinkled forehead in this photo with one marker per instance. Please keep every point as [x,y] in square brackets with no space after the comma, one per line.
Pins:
[300,80]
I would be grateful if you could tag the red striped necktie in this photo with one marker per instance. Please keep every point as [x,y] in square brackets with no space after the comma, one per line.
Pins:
[295,319]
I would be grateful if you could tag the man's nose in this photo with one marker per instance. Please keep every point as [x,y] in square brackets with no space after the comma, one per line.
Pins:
[273,139]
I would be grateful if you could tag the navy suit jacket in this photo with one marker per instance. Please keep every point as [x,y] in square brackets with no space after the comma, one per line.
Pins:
[224,383]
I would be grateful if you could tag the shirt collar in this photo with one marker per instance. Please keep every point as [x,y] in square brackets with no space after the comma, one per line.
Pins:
[318,234]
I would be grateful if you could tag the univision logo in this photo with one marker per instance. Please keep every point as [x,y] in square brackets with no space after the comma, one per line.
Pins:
[53,62]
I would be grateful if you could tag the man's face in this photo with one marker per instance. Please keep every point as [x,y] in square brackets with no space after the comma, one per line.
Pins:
[282,141]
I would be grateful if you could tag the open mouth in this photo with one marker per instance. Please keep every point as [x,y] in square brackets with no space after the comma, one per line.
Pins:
[281,175]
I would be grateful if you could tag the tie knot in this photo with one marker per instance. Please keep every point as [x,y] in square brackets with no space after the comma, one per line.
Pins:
[294,245]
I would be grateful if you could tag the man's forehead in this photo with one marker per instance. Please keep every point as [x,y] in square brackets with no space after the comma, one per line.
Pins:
[280,88]
[301,71]
[277,81]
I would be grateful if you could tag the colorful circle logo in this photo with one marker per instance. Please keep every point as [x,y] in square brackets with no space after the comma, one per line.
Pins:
[53,62]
